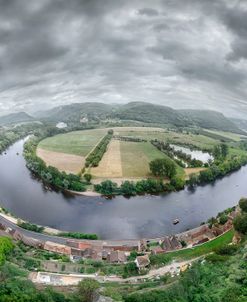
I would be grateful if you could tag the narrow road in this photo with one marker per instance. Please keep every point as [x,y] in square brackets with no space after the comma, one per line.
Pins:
[72,279]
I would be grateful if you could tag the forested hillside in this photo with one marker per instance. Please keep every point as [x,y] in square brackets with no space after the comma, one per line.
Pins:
[142,112]
[15,118]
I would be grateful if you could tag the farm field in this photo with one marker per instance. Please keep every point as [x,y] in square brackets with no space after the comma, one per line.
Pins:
[199,141]
[234,136]
[64,162]
[123,159]
[76,142]
[128,160]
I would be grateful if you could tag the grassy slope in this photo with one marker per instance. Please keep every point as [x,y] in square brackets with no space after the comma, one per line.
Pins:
[136,157]
[197,251]
[77,142]
[230,135]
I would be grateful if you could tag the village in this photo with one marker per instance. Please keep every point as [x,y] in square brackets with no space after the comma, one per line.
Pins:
[118,251]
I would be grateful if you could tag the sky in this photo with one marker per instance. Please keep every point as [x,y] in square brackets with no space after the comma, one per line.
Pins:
[179,53]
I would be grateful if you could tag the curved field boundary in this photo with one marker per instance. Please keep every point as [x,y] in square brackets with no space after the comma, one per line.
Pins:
[62,161]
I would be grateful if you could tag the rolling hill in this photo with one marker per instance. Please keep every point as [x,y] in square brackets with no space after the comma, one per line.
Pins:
[74,112]
[142,112]
[15,118]
[210,120]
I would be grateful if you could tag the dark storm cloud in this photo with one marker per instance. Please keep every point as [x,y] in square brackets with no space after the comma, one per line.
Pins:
[186,53]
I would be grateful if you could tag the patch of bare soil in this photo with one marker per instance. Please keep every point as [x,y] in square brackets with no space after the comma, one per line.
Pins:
[62,161]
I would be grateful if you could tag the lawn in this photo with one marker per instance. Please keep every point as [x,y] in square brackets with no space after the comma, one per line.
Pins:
[230,135]
[76,143]
[195,252]
[135,158]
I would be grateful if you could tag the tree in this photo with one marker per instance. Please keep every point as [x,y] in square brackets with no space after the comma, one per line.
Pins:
[87,290]
[128,188]
[243,204]
[6,246]
[240,223]
[107,187]
[88,177]
[224,150]
[163,167]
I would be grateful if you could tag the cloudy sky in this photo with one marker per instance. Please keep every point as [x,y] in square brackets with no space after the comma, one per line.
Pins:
[180,53]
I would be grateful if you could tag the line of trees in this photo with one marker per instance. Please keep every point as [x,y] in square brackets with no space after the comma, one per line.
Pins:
[50,175]
[130,139]
[130,188]
[96,155]
[30,227]
[78,235]
[181,158]
[216,171]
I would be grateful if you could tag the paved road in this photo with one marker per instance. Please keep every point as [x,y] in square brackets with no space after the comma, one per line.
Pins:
[43,237]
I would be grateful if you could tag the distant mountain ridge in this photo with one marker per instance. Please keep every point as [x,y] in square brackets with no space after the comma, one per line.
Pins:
[15,118]
[142,112]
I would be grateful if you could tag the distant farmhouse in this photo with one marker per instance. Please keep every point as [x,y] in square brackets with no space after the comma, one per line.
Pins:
[61,125]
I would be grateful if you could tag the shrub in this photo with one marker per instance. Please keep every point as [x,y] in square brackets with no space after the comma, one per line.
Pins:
[240,223]
[243,204]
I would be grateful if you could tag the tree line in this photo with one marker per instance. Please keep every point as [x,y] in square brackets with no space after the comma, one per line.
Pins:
[96,155]
[182,159]
[50,175]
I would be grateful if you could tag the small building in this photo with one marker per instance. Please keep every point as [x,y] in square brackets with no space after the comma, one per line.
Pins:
[57,248]
[142,262]
[61,125]
[117,257]
[157,250]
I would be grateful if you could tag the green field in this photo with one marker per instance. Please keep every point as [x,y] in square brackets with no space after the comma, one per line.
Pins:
[199,141]
[77,142]
[195,252]
[135,158]
[230,135]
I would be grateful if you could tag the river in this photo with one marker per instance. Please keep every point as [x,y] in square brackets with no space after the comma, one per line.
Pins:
[119,218]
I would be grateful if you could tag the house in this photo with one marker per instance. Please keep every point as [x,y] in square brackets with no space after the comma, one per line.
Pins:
[157,250]
[171,243]
[142,262]
[57,248]
[117,257]
[61,125]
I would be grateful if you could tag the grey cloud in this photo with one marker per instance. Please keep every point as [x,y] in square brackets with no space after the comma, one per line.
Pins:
[148,12]
[177,53]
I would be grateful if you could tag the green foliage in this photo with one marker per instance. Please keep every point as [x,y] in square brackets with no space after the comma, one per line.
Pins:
[163,167]
[240,223]
[96,155]
[243,204]
[107,187]
[221,151]
[130,269]
[87,290]
[49,174]
[30,227]
[223,219]
[218,279]
[227,250]
[6,246]
[87,177]
[77,235]
[178,183]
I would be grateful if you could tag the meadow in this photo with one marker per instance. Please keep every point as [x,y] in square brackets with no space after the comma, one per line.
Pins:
[123,159]
[76,142]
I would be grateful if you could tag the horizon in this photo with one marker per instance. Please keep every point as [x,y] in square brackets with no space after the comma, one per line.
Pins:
[34,113]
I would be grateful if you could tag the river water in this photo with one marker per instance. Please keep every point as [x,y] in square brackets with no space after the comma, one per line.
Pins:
[119,218]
